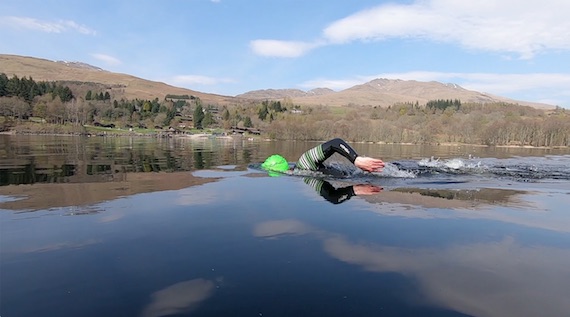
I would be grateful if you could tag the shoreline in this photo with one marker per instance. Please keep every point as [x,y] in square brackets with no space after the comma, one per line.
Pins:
[202,136]
[88,131]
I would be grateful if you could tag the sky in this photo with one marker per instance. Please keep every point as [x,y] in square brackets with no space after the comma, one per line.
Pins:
[510,48]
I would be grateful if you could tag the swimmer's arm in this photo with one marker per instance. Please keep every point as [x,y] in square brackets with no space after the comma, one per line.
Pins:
[369,164]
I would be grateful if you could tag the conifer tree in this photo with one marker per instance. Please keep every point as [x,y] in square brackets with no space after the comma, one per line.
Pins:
[198,116]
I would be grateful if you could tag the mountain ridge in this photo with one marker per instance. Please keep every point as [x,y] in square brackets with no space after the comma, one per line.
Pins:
[381,92]
[384,92]
[283,93]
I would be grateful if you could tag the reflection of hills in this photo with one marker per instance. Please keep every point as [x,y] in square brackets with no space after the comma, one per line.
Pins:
[446,198]
[45,196]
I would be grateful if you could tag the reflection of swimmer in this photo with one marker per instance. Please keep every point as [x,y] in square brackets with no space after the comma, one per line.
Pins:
[313,159]
[339,195]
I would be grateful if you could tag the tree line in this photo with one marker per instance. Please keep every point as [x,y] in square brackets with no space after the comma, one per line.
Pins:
[442,104]
[21,98]
[471,123]
[27,88]
[97,96]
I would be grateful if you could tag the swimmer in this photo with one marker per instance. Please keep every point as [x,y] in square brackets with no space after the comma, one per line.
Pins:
[313,159]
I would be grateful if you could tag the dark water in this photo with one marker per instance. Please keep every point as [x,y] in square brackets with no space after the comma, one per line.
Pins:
[146,227]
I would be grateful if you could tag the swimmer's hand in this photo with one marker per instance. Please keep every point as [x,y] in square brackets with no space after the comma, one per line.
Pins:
[366,189]
[369,164]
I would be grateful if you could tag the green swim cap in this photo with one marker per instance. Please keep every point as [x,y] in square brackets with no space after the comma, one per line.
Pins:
[275,163]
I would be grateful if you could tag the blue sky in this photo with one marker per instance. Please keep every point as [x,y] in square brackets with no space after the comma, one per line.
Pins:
[512,48]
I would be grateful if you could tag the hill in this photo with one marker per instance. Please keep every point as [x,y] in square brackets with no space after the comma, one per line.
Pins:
[385,92]
[379,92]
[273,94]
[119,85]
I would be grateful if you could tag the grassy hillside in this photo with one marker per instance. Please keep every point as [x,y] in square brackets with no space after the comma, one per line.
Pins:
[119,85]
[386,92]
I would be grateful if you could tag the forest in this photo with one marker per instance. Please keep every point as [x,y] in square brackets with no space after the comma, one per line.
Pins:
[485,124]
[437,121]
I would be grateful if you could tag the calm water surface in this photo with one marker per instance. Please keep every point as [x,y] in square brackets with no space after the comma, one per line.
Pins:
[181,227]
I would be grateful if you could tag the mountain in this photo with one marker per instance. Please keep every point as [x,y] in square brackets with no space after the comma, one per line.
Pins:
[284,93]
[378,92]
[120,85]
[385,92]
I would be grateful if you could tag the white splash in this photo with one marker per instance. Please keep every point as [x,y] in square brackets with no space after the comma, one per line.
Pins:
[450,165]
[391,170]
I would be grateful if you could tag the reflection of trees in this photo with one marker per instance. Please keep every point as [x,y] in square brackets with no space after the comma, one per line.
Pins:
[171,163]
[37,159]
[202,159]
[31,174]
[247,155]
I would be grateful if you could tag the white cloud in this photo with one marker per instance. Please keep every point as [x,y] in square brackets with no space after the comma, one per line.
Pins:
[510,26]
[77,27]
[281,48]
[59,26]
[523,28]
[554,87]
[199,80]
[110,60]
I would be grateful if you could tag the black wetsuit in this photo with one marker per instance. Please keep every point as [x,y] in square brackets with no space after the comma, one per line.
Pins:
[313,159]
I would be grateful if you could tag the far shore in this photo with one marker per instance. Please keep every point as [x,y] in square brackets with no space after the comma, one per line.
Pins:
[205,135]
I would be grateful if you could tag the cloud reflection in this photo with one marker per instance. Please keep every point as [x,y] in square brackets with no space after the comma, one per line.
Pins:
[501,278]
[197,196]
[483,279]
[57,246]
[272,229]
[179,298]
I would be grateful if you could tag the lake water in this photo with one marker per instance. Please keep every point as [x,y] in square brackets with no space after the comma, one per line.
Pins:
[180,227]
